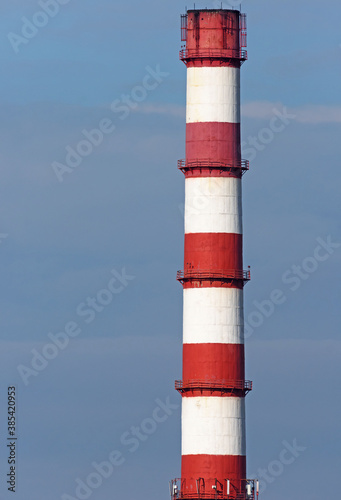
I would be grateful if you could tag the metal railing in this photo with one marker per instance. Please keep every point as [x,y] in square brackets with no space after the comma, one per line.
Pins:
[243,165]
[204,496]
[214,496]
[192,274]
[204,488]
[221,385]
[213,54]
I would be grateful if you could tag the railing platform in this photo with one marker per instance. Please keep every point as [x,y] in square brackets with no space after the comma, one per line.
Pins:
[200,275]
[186,54]
[225,386]
[222,166]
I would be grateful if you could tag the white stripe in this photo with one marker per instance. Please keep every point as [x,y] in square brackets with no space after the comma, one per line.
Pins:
[213,426]
[213,315]
[213,205]
[213,95]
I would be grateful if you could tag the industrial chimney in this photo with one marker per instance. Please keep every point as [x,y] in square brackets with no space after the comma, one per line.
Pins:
[213,386]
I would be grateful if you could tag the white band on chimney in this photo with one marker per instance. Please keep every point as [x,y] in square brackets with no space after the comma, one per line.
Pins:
[213,205]
[213,426]
[213,94]
[213,315]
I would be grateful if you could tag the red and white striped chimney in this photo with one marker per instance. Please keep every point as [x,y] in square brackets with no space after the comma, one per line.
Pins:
[213,387]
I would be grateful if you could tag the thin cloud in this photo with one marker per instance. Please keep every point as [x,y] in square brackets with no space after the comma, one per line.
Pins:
[161,109]
[318,114]
[309,114]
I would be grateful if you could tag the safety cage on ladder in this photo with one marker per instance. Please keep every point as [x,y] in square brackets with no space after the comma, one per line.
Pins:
[243,30]
[184,26]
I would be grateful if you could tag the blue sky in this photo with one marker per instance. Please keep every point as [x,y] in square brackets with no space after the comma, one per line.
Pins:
[120,211]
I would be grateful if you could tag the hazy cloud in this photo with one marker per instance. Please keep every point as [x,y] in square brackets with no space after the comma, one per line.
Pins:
[309,114]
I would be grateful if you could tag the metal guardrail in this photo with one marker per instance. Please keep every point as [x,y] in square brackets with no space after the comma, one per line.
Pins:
[204,496]
[201,489]
[184,165]
[198,274]
[213,54]
[212,496]
[243,385]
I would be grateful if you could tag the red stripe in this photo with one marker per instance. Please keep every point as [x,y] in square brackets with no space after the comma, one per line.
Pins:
[207,31]
[211,467]
[212,63]
[213,362]
[219,21]
[200,283]
[210,29]
[213,252]
[214,141]
[209,172]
